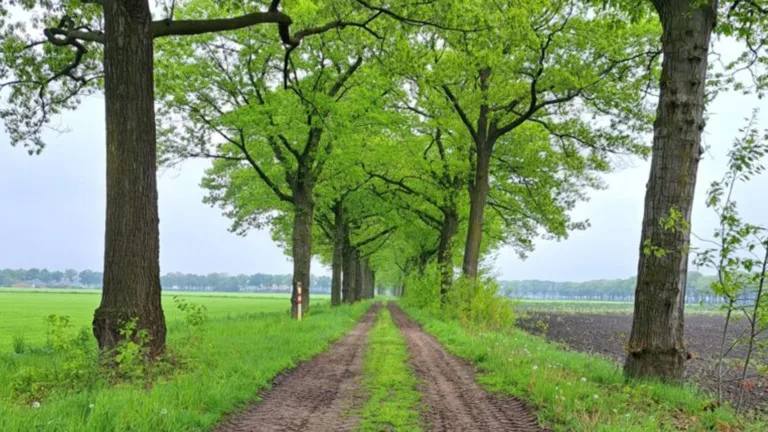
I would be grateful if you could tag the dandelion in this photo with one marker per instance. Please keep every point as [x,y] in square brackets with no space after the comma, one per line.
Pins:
[35,404]
[91,406]
[164,411]
[595,396]
[583,379]
[535,367]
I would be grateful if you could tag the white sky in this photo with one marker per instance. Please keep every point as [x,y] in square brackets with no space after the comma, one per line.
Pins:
[52,210]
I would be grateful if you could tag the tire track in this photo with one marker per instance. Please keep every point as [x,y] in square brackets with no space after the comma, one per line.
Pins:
[453,400]
[317,396]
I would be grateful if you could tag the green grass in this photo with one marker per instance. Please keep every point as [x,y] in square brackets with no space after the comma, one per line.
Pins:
[239,356]
[22,310]
[577,392]
[394,401]
[598,307]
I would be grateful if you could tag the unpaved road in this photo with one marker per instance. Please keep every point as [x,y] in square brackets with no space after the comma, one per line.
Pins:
[322,395]
[453,400]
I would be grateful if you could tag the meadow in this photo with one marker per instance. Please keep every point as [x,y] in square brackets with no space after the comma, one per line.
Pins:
[22,311]
[215,369]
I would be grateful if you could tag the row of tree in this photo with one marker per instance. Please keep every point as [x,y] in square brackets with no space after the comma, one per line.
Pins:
[170,281]
[698,289]
[385,137]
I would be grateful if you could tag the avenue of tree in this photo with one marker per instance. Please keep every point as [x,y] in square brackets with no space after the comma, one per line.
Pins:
[385,138]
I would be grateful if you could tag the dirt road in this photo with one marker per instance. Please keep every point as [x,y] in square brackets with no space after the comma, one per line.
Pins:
[318,396]
[323,394]
[452,398]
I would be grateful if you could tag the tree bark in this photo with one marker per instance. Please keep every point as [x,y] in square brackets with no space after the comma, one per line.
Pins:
[349,266]
[445,250]
[338,254]
[131,287]
[302,246]
[656,348]
[359,270]
[478,195]
[373,284]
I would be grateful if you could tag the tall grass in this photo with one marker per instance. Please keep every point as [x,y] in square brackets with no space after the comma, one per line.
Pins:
[236,359]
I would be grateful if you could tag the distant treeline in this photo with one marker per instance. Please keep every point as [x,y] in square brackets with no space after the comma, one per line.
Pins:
[604,289]
[698,289]
[44,278]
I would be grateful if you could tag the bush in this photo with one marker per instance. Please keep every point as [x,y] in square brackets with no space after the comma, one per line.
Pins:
[475,302]
[72,363]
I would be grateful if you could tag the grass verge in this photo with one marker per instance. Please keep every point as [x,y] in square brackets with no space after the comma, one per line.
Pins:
[238,358]
[576,392]
[394,401]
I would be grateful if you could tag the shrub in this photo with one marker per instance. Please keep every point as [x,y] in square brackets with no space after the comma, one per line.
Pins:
[475,302]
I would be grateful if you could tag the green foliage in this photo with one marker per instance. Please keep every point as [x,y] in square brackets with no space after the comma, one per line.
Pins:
[72,363]
[574,391]
[131,357]
[740,254]
[393,402]
[478,302]
[475,303]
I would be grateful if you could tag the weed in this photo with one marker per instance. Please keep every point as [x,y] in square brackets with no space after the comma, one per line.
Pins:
[19,344]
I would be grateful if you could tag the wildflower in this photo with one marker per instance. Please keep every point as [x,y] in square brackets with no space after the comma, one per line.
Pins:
[164,411]
[91,406]
[594,396]
[583,379]
[535,367]
[35,404]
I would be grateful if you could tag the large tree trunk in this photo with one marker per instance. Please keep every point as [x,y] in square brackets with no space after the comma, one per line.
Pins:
[478,195]
[656,346]
[131,288]
[338,254]
[302,246]
[445,250]
[349,266]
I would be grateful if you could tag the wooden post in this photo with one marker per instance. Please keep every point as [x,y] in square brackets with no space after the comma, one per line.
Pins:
[298,301]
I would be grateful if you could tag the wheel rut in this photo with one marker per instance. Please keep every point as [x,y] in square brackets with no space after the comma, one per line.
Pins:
[452,398]
[320,395]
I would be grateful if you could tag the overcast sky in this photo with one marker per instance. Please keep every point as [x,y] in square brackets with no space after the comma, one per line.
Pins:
[52,210]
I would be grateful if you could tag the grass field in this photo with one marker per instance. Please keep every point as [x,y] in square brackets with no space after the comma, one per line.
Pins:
[237,358]
[22,310]
[599,307]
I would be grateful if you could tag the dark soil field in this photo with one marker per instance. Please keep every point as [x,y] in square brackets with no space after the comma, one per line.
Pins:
[608,334]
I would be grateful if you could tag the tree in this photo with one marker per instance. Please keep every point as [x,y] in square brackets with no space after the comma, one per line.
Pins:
[656,345]
[109,44]
[543,69]
[270,145]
